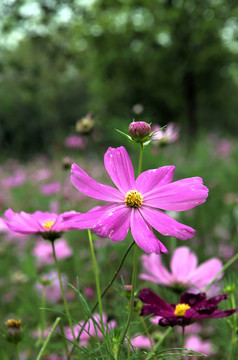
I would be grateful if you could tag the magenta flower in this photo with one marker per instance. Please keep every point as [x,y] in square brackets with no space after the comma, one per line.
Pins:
[184,274]
[49,225]
[136,203]
[75,141]
[52,286]
[190,308]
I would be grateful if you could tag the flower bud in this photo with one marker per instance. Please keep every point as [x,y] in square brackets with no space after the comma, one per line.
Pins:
[14,333]
[139,131]
[85,125]
[66,162]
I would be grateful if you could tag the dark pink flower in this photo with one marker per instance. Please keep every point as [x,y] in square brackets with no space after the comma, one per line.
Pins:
[136,203]
[185,274]
[49,225]
[191,307]
[139,129]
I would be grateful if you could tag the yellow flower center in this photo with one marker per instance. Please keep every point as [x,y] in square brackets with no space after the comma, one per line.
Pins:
[134,199]
[48,223]
[180,309]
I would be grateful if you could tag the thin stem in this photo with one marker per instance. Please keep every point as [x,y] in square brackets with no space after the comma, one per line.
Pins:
[167,332]
[96,279]
[104,291]
[147,333]
[183,338]
[43,322]
[131,305]
[233,336]
[48,338]
[229,263]
[17,352]
[62,291]
[64,340]
[140,159]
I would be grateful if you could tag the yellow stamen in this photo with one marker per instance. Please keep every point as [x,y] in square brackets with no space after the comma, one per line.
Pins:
[180,309]
[134,199]
[48,223]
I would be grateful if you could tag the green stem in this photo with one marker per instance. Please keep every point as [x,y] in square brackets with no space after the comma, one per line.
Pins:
[131,305]
[140,159]
[17,352]
[104,291]
[97,280]
[233,336]
[183,339]
[229,263]
[48,338]
[152,354]
[43,322]
[62,291]
[64,341]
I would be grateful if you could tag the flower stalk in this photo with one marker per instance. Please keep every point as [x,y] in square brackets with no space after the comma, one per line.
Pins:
[62,291]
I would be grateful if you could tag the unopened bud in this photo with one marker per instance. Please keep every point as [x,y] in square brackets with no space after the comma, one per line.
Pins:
[14,333]
[139,131]
[66,162]
[85,125]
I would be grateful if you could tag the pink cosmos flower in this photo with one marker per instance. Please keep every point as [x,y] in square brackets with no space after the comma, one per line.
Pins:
[184,273]
[90,329]
[44,254]
[136,203]
[49,225]
[141,342]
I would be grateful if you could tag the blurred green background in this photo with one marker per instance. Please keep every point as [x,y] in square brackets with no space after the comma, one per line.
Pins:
[61,59]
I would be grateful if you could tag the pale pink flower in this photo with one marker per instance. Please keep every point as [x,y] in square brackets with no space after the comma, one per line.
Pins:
[43,251]
[51,188]
[141,342]
[194,342]
[185,272]
[137,204]
[52,291]
[90,329]
[75,141]
[17,179]
[168,135]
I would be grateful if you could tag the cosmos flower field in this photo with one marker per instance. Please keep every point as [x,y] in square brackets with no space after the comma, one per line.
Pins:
[128,252]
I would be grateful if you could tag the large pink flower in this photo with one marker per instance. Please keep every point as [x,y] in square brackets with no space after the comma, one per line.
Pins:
[136,203]
[184,274]
[49,225]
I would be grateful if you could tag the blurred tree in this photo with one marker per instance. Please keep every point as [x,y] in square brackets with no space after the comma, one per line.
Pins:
[170,56]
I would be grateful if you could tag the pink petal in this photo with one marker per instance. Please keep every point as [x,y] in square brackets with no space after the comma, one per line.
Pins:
[114,223]
[21,222]
[87,220]
[165,225]
[120,169]
[206,272]
[151,179]
[178,196]
[86,185]
[143,234]
[181,270]
[158,273]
